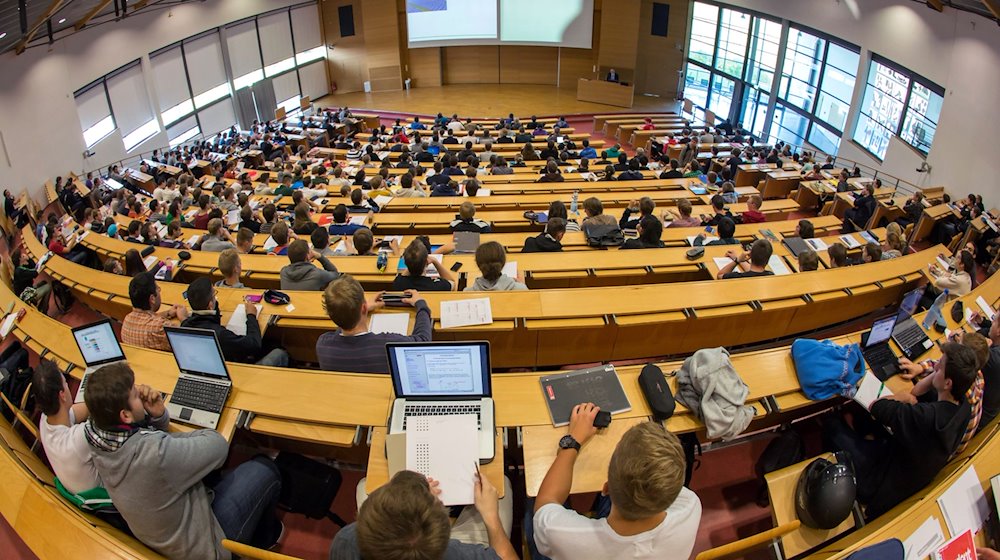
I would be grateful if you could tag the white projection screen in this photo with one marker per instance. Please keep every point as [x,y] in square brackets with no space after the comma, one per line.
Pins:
[550,23]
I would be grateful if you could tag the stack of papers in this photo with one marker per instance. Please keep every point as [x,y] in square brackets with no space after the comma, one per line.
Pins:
[238,321]
[390,323]
[150,261]
[778,266]
[270,243]
[382,200]
[924,541]
[964,504]
[466,312]
[445,448]
[849,241]
[359,220]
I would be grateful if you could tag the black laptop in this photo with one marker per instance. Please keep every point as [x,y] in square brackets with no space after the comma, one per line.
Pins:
[881,360]
[796,245]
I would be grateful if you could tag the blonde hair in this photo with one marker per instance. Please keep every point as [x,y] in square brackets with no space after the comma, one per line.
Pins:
[229,259]
[646,472]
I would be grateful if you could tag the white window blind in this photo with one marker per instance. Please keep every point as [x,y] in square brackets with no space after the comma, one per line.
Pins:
[183,131]
[313,77]
[305,22]
[130,100]
[171,85]
[275,37]
[244,52]
[218,117]
[286,86]
[204,59]
[95,115]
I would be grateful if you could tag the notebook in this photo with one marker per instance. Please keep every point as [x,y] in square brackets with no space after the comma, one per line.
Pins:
[599,385]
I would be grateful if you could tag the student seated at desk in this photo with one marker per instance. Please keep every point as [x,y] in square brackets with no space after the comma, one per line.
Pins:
[217,239]
[405,516]
[644,509]
[753,215]
[342,222]
[990,370]
[550,240]
[958,283]
[416,258]
[912,210]
[727,232]
[674,172]
[891,468]
[808,261]
[650,229]
[758,257]
[644,206]
[551,174]
[467,221]
[352,348]
[301,274]
[200,220]
[143,326]
[632,173]
[871,252]
[721,212]
[491,258]
[245,349]
[156,478]
[864,207]
[594,210]
[838,255]
[587,151]
[685,219]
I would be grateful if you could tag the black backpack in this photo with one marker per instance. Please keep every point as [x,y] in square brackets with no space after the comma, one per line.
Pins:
[308,486]
[783,451]
[604,235]
[15,376]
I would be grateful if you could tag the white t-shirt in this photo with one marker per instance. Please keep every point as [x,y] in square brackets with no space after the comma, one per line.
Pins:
[563,534]
[69,454]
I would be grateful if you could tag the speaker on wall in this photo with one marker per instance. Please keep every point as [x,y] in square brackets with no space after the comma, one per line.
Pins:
[661,16]
[346,14]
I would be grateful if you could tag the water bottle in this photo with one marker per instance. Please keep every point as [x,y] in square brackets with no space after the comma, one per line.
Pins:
[572,206]
[934,313]
[383,261]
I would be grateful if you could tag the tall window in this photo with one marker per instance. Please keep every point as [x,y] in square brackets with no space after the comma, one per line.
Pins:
[704,27]
[882,107]
[922,113]
[734,28]
[717,57]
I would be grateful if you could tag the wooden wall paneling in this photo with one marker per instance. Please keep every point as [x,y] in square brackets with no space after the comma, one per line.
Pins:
[579,63]
[656,70]
[471,65]
[528,65]
[404,51]
[425,66]
[619,39]
[346,62]
[381,28]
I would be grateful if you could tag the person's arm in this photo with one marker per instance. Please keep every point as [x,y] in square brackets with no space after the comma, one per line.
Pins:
[731,266]
[487,502]
[445,273]
[188,457]
[558,480]
[327,265]
[80,412]
[251,343]
[947,281]
[422,324]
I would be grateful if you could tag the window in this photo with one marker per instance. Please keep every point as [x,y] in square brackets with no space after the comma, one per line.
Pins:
[922,113]
[310,55]
[703,31]
[800,74]
[788,125]
[178,111]
[218,92]
[696,84]
[99,131]
[185,136]
[279,67]
[755,110]
[881,108]
[290,104]
[92,107]
[171,84]
[722,95]
[733,32]
[837,86]
[763,53]
[140,135]
[130,101]
[248,80]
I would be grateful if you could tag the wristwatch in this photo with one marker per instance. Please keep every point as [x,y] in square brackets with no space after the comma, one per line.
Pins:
[569,442]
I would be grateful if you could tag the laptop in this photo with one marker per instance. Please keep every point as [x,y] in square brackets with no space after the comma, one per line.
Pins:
[204,384]
[439,378]
[466,241]
[876,350]
[99,347]
[907,333]
[796,245]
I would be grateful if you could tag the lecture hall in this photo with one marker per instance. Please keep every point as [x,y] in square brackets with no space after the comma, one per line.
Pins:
[500,279]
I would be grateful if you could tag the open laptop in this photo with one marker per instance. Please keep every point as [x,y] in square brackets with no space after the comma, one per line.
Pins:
[466,241]
[907,333]
[99,347]
[439,378]
[876,350]
[796,245]
[204,383]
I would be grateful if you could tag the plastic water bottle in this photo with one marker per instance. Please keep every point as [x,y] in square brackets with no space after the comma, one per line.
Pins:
[573,203]
[383,261]
[934,313]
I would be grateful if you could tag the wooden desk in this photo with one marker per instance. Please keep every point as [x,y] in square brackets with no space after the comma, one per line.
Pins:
[608,93]
[928,219]
[600,120]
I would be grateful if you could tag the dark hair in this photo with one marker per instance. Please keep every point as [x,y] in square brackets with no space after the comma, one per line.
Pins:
[959,367]
[646,206]
[557,209]
[652,229]
[46,384]
[727,228]
[320,238]
[133,263]
[199,293]
[415,258]
[298,251]
[107,394]
[141,288]
[806,229]
[874,251]
[760,252]
[490,258]
[363,240]
[718,202]
[837,253]
[340,214]
[555,226]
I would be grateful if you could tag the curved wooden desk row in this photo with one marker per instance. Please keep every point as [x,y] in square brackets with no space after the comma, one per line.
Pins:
[612,323]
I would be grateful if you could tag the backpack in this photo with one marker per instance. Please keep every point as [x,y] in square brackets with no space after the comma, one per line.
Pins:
[604,235]
[63,296]
[15,376]
[826,369]
[308,486]
[782,451]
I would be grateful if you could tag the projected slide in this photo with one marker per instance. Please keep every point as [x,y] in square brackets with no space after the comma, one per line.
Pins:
[568,23]
[451,22]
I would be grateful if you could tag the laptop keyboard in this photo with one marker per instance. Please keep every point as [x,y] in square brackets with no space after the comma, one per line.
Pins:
[202,396]
[879,357]
[441,410]
[910,336]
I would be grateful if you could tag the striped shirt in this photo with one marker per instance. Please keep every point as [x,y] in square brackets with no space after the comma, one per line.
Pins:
[365,353]
[145,328]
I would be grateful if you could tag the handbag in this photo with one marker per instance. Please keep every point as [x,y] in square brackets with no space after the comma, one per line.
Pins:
[604,235]
[826,369]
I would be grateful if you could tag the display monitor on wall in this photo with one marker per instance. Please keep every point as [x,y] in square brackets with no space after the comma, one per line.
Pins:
[554,23]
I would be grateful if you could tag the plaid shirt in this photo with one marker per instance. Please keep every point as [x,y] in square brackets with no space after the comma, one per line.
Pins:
[975,397]
[145,328]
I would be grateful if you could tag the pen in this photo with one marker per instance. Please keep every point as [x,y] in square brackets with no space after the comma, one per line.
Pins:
[880,389]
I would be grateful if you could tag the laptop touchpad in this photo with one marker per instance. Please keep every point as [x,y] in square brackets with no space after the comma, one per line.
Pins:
[186,413]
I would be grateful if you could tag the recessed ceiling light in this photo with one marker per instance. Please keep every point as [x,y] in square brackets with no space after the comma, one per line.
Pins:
[2,35]
[63,20]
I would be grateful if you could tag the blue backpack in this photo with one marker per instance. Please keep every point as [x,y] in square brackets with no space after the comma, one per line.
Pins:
[891,549]
[826,369]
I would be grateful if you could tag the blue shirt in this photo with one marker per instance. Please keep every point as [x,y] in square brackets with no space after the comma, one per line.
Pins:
[588,153]
[417,126]
[343,229]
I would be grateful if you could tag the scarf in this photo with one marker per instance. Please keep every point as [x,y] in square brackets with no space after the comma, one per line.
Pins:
[112,440]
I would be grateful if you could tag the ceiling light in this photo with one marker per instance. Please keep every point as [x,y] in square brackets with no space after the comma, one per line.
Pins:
[2,35]
[63,20]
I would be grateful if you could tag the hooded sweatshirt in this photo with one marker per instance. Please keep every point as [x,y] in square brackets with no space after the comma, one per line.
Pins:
[155,481]
[924,435]
[306,276]
[503,283]
[541,243]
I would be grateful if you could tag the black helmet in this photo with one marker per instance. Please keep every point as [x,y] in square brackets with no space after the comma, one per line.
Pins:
[825,493]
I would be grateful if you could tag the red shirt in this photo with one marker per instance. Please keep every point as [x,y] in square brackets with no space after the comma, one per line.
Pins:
[753,217]
[57,247]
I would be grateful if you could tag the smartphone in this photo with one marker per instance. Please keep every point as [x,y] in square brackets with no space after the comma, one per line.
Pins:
[185,294]
[457,266]
[255,298]
[708,229]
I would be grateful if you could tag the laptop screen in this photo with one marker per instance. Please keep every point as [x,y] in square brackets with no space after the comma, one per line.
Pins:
[881,331]
[197,352]
[909,304]
[98,344]
[443,369]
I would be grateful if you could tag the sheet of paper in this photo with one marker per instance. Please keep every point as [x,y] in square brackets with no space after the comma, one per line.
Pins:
[849,241]
[398,323]
[382,200]
[964,504]
[817,244]
[721,262]
[465,312]
[943,263]
[984,307]
[8,324]
[510,269]
[445,448]
[359,220]
[194,239]
[270,243]
[238,321]
[150,261]
[778,266]
[484,192]
[924,541]
[83,234]
[705,241]
[341,247]
[869,390]
[233,217]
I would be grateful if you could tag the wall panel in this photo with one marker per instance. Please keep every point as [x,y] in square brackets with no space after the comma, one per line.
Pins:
[619,40]
[347,59]
[381,29]
[471,65]
[425,67]
[529,65]
[656,70]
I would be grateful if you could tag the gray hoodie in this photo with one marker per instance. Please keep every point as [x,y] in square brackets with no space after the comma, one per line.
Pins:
[504,283]
[155,481]
[306,276]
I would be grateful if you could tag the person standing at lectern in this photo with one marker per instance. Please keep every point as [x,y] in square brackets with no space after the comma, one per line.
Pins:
[612,76]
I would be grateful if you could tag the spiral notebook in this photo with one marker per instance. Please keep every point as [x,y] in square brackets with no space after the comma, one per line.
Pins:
[599,385]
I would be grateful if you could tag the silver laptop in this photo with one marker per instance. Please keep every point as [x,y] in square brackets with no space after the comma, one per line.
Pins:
[204,384]
[441,378]
[99,347]
[907,333]
[466,241]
